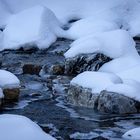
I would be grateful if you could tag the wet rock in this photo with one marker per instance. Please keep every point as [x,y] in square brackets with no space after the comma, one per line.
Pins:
[11,93]
[88,62]
[57,69]
[31,69]
[111,102]
[80,96]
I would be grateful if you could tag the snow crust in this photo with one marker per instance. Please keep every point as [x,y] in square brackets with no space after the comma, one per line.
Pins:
[133,134]
[17,127]
[7,79]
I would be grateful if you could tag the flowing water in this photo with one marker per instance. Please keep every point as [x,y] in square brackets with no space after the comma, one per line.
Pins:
[44,102]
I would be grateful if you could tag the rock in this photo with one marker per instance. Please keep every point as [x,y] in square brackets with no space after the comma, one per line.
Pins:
[11,94]
[80,96]
[88,62]
[1,97]
[57,69]
[111,102]
[31,69]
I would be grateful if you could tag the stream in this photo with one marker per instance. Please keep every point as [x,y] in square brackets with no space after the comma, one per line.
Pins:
[42,99]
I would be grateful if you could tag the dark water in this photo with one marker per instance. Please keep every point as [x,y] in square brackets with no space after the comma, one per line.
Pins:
[46,104]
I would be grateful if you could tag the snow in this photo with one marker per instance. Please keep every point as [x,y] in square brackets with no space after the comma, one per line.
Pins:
[7,79]
[17,127]
[88,26]
[4,14]
[97,81]
[133,134]
[105,43]
[130,90]
[35,26]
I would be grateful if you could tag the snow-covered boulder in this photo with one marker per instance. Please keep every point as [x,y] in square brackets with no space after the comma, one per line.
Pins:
[17,127]
[97,81]
[37,26]
[7,79]
[133,134]
[105,43]
[10,85]
[90,26]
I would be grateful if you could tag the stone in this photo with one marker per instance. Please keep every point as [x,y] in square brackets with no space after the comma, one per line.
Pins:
[57,69]
[80,96]
[11,93]
[87,62]
[116,103]
[31,69]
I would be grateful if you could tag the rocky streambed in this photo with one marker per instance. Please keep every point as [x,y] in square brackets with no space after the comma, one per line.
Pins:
[45,79]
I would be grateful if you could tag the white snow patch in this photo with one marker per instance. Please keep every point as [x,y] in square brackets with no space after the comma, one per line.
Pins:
[20,128]
[35,26]
[114,44]
[97,81]
[133,134]
[7,79]
[88,26]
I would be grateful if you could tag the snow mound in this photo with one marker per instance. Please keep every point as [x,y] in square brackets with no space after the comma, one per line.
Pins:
[105,43]
[35,26]
[129,88]
[7,79]
[88,26]
[15,127]
[133,134]
[97,81]
[5,13]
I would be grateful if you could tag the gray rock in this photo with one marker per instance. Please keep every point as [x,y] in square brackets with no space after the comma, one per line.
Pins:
[111,102]
[88,62]
[80,96]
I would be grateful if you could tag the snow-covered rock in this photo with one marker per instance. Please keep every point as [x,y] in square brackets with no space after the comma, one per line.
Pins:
[17,127]
[37,26]
[105,43]
[88,26]
[8,80]
[133,134]
[97,81]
